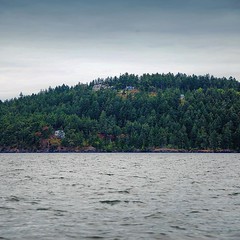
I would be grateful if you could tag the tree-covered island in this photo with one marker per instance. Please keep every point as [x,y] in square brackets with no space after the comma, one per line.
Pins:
[152,112]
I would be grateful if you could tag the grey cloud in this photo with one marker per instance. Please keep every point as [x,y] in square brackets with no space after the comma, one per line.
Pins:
[100,18]
[59,40]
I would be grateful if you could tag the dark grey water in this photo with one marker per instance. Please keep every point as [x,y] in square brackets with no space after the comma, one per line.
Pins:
[120,196]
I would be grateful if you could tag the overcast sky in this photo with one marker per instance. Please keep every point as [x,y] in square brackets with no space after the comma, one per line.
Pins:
[50,42]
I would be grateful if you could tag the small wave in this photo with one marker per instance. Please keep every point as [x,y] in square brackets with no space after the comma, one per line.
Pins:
[13,199]
[179,228]
[43,209]
[3,238]
[71,236]
[75,184]
[234,194]
[6,208]
[137,201]
[28,177]
[59,212]
[195,211]
[50,192]
[124,191]
[57,178]
[155,215]
[195,182]
[34,202]
[135,176]
[110,202]
[94,237]
[109,174]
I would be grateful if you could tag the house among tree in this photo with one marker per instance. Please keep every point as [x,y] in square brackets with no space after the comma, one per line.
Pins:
[182,99]
[59,134]
[129,88]
[182,96]
[98,87]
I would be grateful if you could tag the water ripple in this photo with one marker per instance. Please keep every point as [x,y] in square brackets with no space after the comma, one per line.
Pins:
[120,196]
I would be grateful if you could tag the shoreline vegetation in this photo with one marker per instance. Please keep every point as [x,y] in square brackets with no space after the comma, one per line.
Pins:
[91,149]
[129,113]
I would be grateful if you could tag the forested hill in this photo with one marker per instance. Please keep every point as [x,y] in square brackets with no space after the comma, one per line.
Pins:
[126,113]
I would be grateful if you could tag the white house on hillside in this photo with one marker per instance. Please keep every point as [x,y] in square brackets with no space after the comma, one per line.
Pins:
[59,134]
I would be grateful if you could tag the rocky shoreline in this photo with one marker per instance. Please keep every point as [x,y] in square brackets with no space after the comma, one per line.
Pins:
[91,149]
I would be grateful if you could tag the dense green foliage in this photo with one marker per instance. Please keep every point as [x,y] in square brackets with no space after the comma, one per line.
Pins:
[163,111]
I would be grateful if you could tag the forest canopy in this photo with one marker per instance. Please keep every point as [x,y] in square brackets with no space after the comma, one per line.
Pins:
[126,113]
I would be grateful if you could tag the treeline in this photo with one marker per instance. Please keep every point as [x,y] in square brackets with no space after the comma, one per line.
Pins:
[127,113]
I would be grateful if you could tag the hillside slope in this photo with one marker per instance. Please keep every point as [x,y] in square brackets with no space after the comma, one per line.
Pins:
[126,113]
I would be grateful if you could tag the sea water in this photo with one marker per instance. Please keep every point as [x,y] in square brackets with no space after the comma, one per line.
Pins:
[120,196]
